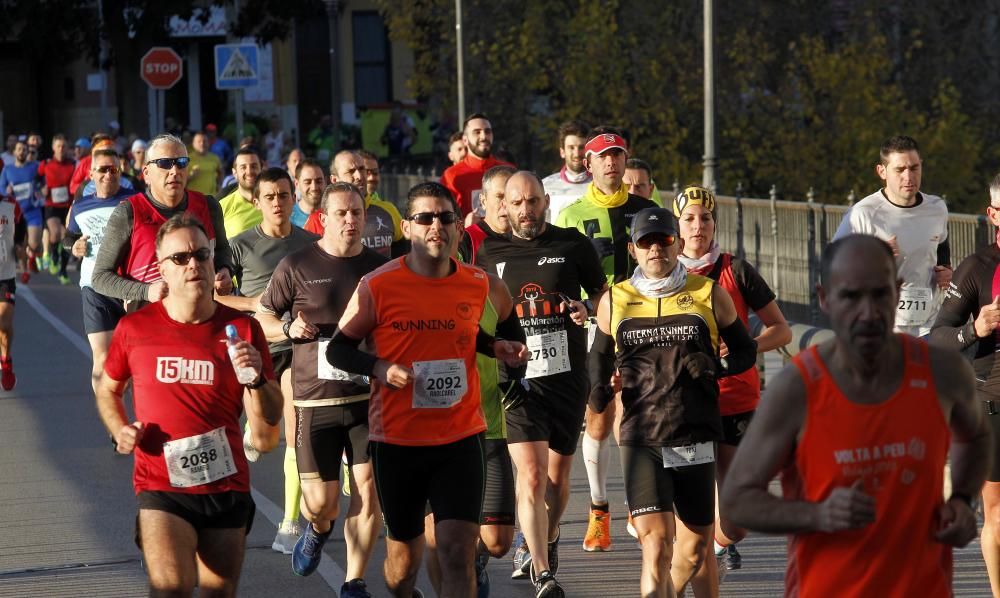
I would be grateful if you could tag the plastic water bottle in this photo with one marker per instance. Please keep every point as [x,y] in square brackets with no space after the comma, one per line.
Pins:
[245,375]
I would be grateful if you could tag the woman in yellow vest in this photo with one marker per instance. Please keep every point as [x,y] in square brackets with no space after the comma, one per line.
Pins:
[661,331]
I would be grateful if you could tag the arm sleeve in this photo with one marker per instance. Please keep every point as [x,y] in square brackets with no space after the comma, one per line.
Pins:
[223,253]
[944,253]
[600,365]
[343,352]
[114,248]
[742,349]
[954,326]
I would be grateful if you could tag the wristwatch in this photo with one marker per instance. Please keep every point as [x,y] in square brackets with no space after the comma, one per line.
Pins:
[286,327]
[260,381]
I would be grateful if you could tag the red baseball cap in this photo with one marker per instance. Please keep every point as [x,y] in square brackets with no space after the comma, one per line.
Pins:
[605,141]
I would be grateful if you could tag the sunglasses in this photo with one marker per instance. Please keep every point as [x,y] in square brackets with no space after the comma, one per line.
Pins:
[661,239]
[181,258]
[106,169]
[168,163]
[427,218]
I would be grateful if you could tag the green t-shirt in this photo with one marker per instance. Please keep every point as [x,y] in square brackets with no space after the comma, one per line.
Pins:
[489,377]
[203,172]
[238,214]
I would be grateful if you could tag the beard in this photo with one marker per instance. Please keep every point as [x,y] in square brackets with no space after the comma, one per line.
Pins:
[481,154]
[527,230]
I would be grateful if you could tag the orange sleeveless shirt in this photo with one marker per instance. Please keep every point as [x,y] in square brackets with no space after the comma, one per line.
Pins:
[898,448]
[430,326]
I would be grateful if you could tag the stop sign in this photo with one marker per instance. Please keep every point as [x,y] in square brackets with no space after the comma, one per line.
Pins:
[161,68]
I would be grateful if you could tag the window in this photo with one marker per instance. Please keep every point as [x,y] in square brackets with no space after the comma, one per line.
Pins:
[372,70]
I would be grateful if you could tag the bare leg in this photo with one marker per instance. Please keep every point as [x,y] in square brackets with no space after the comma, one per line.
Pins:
[456,553]
[531,461]
[220,559]
[656,536]
[690,558]
[168,548]
[362,524]
[402,562]
[991,534]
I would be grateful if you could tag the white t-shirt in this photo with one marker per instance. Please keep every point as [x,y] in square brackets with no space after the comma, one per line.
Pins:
[563,191]
[274,143]
[919,230]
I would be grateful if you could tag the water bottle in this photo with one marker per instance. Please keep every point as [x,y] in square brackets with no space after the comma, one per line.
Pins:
[246,375]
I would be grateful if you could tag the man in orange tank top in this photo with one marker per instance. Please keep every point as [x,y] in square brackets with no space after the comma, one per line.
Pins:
[421,315]
[862,426]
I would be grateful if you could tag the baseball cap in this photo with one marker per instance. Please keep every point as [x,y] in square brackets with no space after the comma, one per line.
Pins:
[653,220]
[139,144]
[694,195]
[211,127]
[83,142]
[104,145]
[605,141]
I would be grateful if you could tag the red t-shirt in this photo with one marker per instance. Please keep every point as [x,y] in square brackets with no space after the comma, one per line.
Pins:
[465,179]
[81,174]
[57,178]
[184,385]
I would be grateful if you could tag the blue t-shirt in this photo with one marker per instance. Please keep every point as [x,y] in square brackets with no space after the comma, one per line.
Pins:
[298,216]
[24,180]
[89,216]
[221,149]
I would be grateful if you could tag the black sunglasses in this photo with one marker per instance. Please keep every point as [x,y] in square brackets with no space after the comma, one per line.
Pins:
[106,169]
[181,258]
[168,163]
[427,218]
[661,239]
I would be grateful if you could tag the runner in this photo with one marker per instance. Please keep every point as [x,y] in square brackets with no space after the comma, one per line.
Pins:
[570,183]
[191,480]
[604,214]
[378,230]
[238,211]
[738,394]
[422,313]
[967,322]
[57,172]
[205,168]
[661,331]
[13,231]
[88,220]
[128,237]
[330,413]
[464,179]
[20,181]
[309,185]
[639,180]
[545,266]
[494,221]
[861,427]
[915,225]
[295,157]
[456,147]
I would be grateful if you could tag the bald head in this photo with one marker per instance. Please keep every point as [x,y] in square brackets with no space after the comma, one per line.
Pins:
[526,203]
[348,167]
[856,251]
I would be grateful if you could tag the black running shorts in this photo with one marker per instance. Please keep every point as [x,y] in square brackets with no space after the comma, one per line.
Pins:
[223,510]
[991,411]
[100,312]
[734,427]
[498,503]
[282,361]
[451,477]
[324,433]
[56,212]
[651,488]
[556,420]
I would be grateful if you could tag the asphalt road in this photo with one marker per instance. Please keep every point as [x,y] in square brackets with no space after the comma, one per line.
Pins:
[67,508]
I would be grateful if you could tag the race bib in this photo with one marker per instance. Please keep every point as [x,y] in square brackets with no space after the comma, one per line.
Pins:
[60,194]
[549,354]
[439,384]
[915,304]
[22,191]
[198,460]
[324,370]
[690,454]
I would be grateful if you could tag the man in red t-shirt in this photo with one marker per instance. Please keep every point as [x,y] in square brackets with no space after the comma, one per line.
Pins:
[57,172]
[191,477]
[465,179]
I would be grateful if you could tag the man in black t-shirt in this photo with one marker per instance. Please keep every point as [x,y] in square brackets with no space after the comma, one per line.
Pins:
[545,267]
[314,285]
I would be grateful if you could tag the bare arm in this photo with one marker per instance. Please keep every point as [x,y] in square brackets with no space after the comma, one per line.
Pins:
[777,333]
[246,304]
[272,325]
[111,408]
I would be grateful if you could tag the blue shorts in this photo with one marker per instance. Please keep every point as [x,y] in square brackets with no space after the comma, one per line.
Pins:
[32,213]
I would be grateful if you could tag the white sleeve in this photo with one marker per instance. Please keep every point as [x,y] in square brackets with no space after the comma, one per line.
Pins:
[845,225]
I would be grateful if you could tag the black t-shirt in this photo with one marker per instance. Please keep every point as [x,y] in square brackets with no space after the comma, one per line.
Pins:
[320,286]
[752,286]
[974,285]
[537,271]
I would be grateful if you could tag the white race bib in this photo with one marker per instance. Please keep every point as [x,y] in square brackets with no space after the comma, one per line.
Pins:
[324,370]
[60,194]
[439,384]
[22,191]
[690,454]
[915,305]
[198,460]
[549,354]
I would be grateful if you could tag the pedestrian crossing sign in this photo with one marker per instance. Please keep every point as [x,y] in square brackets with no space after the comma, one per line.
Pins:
[236,66]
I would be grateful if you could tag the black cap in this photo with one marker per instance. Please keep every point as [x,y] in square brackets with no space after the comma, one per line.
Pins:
[653,220]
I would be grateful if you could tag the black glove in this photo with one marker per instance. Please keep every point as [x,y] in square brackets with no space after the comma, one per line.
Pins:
[703,369]
[513,393]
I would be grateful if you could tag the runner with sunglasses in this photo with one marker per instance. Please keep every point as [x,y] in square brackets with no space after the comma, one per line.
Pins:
[128,245]
[421,313]
[738,395]
[661,332]
[191,480]
[545,267]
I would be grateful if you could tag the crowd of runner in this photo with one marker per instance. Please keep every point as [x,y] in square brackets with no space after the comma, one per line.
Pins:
[440,357]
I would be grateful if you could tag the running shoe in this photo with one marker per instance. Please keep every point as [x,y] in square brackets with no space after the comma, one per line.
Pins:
[732,559]
[554,553]
[721,565]
[46,263]
[522,558]
[598,537]
[355,588]
[308,551]
[482,575]
[53,266]
[63,279]
[288,534]
[34,264]
[25,277]
[546,586]
[248,448]
[7,378]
